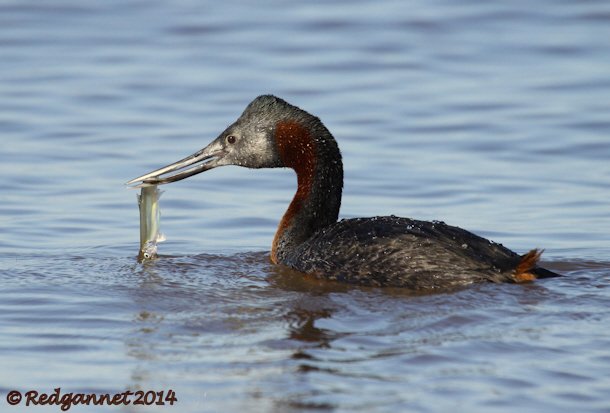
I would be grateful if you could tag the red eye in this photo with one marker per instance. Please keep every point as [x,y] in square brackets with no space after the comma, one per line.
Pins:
[231,139]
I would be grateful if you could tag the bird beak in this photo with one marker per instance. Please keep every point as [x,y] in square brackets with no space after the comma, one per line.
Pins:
[201,161]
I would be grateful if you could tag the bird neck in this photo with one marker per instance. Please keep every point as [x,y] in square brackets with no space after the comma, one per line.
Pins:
[315,157]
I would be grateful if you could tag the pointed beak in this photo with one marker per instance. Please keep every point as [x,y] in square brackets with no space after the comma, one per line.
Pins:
[206,159]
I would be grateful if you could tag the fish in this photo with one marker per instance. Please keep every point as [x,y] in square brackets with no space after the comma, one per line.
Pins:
[150,218]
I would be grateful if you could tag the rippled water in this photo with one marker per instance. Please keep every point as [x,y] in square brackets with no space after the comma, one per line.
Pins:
[491,116]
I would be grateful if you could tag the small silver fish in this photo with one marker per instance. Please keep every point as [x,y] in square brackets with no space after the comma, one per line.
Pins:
[150,217]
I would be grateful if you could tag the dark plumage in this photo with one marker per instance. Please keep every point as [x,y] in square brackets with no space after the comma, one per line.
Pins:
[402,252]
[379,251]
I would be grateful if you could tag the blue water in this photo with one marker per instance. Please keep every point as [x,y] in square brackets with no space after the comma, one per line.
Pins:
[490,116]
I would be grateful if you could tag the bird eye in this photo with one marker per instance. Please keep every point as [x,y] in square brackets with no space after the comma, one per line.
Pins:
[231,139]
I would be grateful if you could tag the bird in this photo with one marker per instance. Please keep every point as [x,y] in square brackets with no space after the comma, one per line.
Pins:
[380,251]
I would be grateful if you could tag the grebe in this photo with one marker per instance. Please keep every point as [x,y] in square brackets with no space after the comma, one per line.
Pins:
[378,251]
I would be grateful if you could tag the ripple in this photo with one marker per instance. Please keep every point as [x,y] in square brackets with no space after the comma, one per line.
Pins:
[490,116]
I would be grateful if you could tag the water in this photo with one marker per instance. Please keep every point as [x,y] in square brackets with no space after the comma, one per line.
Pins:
[491,116]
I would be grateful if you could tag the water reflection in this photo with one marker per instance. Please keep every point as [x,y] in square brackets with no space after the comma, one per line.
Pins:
[488,115]
[302,327]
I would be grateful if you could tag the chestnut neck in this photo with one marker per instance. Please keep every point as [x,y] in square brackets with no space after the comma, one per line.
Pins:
[308,147]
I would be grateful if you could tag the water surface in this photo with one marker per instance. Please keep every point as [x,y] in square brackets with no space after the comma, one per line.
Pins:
[493,117]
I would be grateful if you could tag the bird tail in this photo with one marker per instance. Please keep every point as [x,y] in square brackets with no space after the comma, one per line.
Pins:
[528,270]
